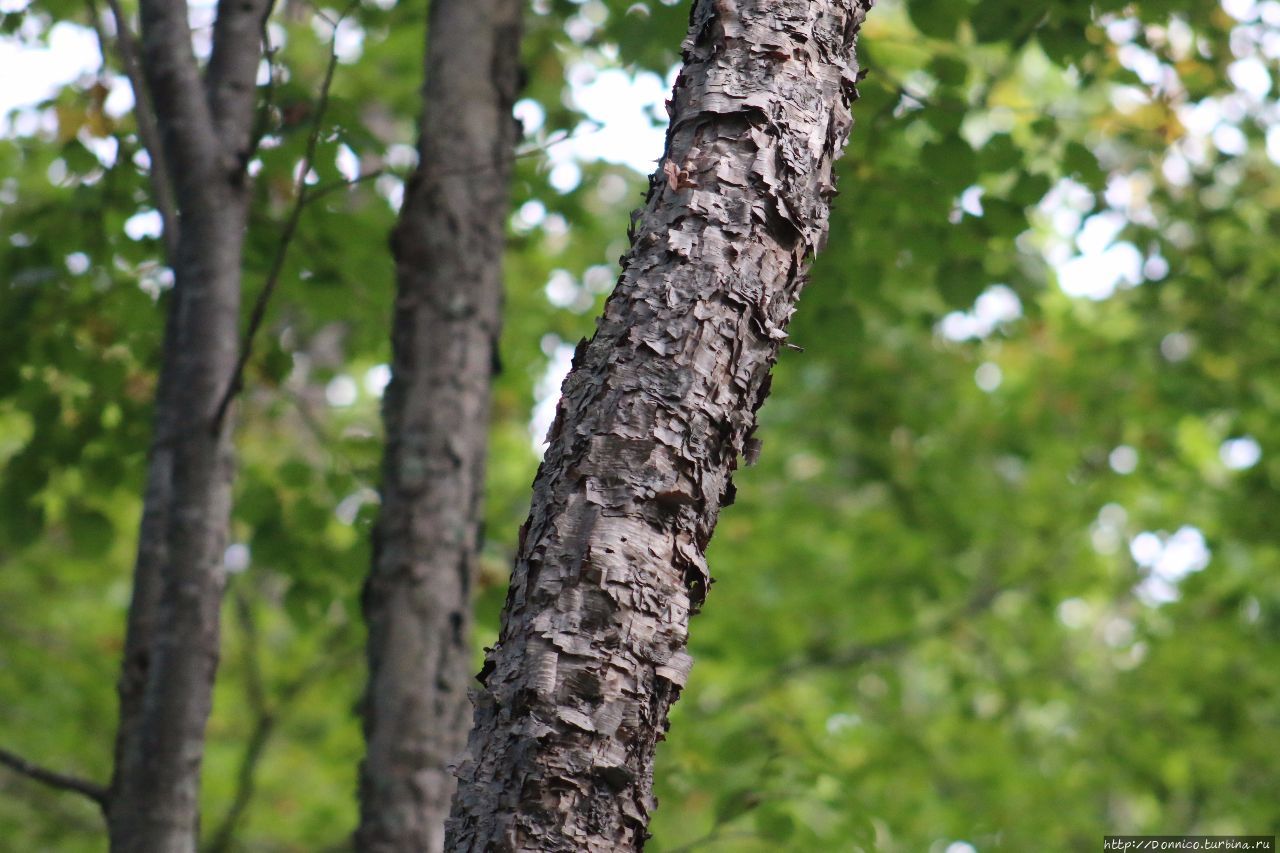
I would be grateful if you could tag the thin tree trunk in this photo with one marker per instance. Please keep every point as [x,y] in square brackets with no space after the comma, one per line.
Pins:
[152,544]
[655,414]
[171,649]
[448,249]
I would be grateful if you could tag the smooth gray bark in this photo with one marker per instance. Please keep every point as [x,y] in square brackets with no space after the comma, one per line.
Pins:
[658,409]
[448,249]
[171,646]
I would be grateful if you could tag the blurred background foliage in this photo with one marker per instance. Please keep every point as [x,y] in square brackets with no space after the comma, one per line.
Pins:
[1005,577]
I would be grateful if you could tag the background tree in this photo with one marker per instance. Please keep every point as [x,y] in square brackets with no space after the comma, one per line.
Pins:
[448,248]
[202,137]
[205,123]
[893,700]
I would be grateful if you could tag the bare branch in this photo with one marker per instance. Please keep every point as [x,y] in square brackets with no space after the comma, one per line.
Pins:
[337,186]
[263,725]
[254,683]
[717,833]
[856,655]
[265,109]
[301,192]
[161,188]
[267,715]
[54,779]
[474,169]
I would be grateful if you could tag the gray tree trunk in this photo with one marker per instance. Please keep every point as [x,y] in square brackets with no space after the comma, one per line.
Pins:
[655,414]
[448,249]
[171,646]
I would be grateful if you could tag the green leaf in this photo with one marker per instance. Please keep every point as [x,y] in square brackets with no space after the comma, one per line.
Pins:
[91,532]
[951,162]
[775,822]
[936,18]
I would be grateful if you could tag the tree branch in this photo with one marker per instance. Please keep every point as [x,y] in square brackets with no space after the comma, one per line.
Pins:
[54,779]
[231,77]
[487,166]
[263,725]
[265,109]
[335,186]
[286,238]
[850,656]
[144,115]
[266,714]
[190,145]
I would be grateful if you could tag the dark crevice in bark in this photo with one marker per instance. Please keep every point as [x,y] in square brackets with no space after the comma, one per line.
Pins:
[655,414]
[448,248]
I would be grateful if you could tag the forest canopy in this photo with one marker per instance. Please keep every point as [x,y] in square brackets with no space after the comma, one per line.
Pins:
[1005,575]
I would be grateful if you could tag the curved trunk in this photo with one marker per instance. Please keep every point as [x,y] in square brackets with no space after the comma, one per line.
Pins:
[655,414]
[448,249]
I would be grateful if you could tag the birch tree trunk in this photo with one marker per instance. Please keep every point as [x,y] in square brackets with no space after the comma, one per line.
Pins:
[659,407]
[171,647]
[448,249]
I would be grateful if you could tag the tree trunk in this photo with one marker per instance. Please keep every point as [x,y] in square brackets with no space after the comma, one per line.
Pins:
[658,408]
[448,249]
[171,648]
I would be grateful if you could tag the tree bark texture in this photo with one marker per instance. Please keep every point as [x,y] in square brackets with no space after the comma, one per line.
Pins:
[448,249]
[658,408]
[171,645]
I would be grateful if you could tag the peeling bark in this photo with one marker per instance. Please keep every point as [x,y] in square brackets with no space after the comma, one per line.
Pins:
[659,407]
[171,645]
[448,248]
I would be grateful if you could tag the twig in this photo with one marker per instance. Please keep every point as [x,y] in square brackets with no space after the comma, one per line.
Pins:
[472,169]
[269,100]
[255,684]
[856,655]
[267,716]
[54,779]
[245,783]
[531,151]
[148,132]
[336,186]
[592,127]
[716,833]
[338,458]
[282,248]
[264,723]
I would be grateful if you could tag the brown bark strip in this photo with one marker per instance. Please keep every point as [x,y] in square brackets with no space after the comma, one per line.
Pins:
[655,414]
[448,249]
[171,645]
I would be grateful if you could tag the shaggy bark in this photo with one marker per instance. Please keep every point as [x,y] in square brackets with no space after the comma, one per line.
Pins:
[448,249]
[654,416]
[171,647]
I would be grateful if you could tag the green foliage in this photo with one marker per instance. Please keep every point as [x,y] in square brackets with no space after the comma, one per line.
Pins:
[931,622]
